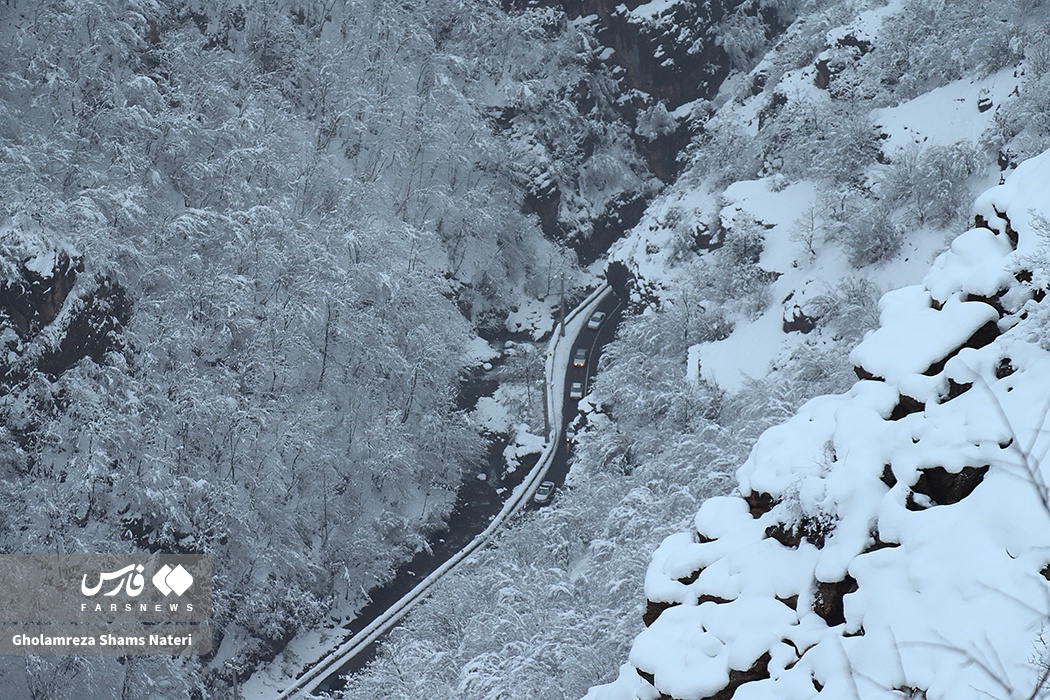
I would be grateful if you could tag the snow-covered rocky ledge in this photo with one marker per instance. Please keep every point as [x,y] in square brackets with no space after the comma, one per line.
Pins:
[893,541]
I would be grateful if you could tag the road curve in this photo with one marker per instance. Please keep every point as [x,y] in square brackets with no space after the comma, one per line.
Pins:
[553,464]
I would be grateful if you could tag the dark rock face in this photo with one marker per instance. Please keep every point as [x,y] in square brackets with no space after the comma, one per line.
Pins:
[848,49]
[620,279]
[657,62]
[981,337]
[828,600]
[544,203]
[662,59]
[759,503]
[653,610]
[622,212]
[758,671]
[30,303]
[906,406]
[46,339]
[92,331]
[661,153]
[812,530]
[945,488]
[673,58]
[798,321]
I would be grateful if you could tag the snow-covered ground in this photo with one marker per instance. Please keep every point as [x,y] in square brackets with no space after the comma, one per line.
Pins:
[957,112]
[891,541]
[534,316]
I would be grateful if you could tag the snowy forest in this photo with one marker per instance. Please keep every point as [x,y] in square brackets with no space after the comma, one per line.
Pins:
[252,254]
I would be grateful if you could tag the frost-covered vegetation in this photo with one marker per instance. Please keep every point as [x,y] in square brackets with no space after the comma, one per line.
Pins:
[246,249]
[830,168]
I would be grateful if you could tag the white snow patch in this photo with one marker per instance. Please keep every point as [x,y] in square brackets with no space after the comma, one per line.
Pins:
[524,443]
[652,11]
[915,335]
[479,352]
[746,353]
[535,316]
[947,115]
[692,365]
[43,264]
[975,264]
[491,415]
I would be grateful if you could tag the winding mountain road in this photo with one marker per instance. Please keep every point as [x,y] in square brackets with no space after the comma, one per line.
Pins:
[391,603]
[594,341]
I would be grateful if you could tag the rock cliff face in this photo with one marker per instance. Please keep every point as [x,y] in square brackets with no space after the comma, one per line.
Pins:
[663,56]
[52,315]
[892,541]
[667,50]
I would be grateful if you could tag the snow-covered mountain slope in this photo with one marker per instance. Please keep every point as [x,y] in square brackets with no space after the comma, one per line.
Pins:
[833,172]
[892,541]
[833,164]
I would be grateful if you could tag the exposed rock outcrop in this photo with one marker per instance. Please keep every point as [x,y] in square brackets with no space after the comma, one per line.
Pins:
[663,56]
[52,315]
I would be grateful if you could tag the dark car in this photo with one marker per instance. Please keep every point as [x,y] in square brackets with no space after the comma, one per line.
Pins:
[580,358]
[544,492]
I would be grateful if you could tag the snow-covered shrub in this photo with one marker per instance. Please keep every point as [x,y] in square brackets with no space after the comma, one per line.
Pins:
[605,174]
[1037,52]
[852,145]
[1021,128]
[818,367]
[809,230]
[817,138]
[654,122]
[731,276]
[726,152]
[927,44]
[741,36]
[930,181]
[743,245]
[867,232]
[850,309]
[1033,273]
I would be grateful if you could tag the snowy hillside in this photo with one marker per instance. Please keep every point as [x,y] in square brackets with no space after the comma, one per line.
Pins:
[891,541]
[275,283]
[872,536]
[248,254]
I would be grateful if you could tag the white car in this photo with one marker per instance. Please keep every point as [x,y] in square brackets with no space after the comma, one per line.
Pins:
[597,318]
[576,390]
[544,492]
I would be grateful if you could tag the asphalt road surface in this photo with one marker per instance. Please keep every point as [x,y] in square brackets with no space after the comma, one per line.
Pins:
[475,506]
[594,341]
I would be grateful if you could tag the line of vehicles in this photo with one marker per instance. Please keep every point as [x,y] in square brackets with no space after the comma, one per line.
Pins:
[579,358]
[545,492]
